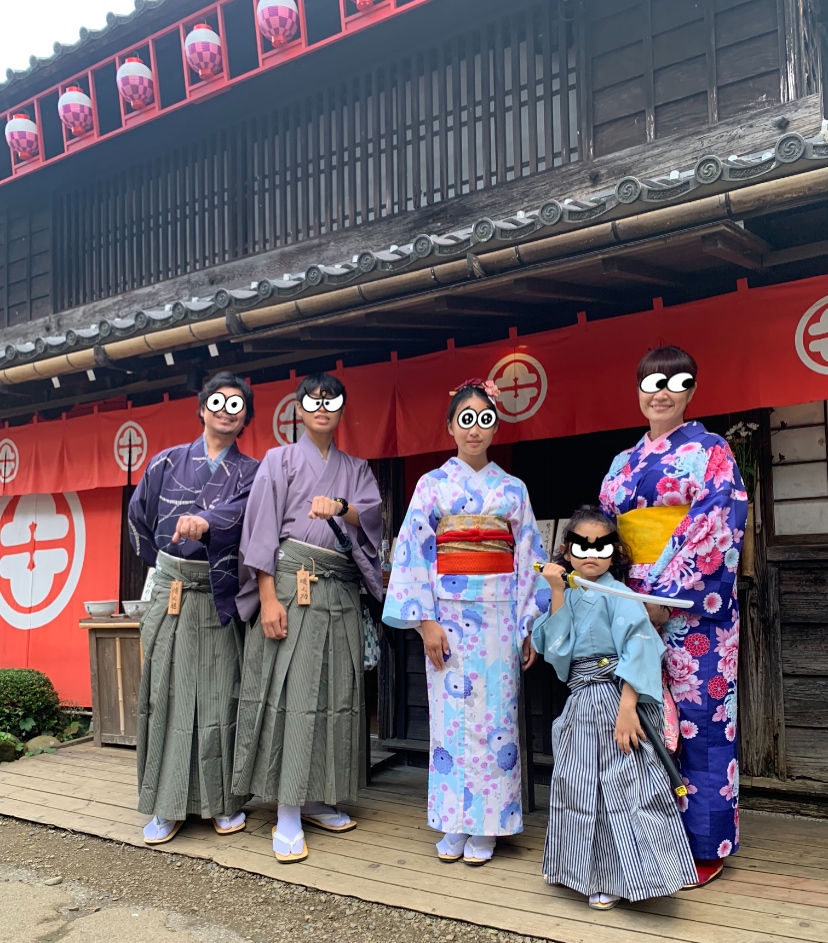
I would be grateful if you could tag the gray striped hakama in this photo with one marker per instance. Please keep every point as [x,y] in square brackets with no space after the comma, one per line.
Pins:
[188,699]
[300,733]
[614,824]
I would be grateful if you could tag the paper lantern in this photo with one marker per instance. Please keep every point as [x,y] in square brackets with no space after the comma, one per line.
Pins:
[135,83]
[75,111]
[278,20]
[22,136]
[363,5]
[203,50]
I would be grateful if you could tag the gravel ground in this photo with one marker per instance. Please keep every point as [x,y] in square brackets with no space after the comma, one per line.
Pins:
[215,904]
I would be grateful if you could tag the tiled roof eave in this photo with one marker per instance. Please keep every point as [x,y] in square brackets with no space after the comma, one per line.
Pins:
[631,196]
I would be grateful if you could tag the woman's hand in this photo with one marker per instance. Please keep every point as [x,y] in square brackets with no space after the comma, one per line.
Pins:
[659,615]
[530,656]
[274,619]
[435,643]
[628,730]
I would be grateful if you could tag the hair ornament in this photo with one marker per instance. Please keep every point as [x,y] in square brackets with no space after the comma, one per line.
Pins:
[489,387]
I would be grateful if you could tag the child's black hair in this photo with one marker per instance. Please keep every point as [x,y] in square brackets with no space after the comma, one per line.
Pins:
[590,514]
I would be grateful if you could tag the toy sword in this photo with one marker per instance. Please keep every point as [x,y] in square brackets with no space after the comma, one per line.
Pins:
[573,581]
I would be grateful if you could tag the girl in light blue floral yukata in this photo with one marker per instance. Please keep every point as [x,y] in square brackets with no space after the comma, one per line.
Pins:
[463,577]
[684,476]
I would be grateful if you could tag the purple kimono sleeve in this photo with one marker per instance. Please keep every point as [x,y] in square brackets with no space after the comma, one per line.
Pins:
[142,515]
[226,520]
[366,499]
[260,533]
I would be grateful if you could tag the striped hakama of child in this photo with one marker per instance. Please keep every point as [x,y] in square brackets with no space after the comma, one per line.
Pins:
[614,824]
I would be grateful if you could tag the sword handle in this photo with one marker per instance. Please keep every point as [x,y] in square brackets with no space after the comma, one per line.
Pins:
[568,578]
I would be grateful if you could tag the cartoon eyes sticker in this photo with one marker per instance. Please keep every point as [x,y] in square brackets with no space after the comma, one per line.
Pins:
[678,383]
[232,405]
[331,405]
[582,548]
[485,419]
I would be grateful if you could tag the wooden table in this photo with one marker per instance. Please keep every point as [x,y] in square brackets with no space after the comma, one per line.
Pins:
[115,660]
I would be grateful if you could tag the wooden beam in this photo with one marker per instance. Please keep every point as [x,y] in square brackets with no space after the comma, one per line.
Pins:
[367,334]
[634,270]
[483,307]
[813,250]
[562,291]
[421,321]
[737,251]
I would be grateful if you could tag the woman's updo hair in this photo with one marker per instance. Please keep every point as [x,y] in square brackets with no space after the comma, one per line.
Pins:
[467,391]
[590,514]
[666,360]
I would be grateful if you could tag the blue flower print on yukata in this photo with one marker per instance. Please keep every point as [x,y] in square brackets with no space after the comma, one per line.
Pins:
[412,610]
[510,817]
[468,503]
[472,621]
[454,584]
[423,533]
[442,760]
[507,757]
[468,798]
[497,738]
[458,685]
[454,635]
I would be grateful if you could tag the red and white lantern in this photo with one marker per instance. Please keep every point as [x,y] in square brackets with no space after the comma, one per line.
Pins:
[203,50]
[75,111]
[135,83]
[363,5]
[278,20]
[22,136]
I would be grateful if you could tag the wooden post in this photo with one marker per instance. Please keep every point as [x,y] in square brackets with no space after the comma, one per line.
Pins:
[761,693]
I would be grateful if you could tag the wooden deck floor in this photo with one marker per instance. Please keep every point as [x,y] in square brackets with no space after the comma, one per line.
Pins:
[775,889]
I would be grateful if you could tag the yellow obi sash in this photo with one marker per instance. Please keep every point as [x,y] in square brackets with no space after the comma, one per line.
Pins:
[647,531]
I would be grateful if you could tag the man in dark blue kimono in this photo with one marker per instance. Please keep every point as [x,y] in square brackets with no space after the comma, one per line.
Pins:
[185,519]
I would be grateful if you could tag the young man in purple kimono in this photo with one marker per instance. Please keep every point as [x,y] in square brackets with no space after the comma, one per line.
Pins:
[185,519]
[300,742]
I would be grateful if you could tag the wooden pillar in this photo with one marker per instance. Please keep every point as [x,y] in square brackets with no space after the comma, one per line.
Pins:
[761,694]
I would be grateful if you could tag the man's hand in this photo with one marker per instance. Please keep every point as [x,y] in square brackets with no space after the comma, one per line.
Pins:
[274,619]
[190,527]
[323,509]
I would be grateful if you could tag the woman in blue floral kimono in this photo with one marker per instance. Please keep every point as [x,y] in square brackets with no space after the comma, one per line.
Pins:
[681,507]
[463,577]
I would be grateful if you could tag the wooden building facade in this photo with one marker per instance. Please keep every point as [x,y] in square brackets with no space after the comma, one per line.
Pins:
[429,176]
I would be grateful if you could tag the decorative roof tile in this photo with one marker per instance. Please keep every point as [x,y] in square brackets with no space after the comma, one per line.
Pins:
[631,195]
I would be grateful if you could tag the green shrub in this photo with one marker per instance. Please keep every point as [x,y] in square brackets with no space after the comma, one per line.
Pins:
[29,703]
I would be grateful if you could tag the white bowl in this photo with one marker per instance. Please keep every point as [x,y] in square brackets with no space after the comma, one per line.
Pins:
[135,608]
[100,610]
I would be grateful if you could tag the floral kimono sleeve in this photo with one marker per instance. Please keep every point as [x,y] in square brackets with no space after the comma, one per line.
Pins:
[532,591]
[702,558]
[411,597]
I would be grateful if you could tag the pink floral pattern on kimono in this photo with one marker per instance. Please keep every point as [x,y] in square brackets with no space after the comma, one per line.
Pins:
[695,469]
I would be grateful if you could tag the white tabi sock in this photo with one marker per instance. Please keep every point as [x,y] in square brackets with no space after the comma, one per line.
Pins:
[327,814]
[451,844]
[289,821]
[479,847]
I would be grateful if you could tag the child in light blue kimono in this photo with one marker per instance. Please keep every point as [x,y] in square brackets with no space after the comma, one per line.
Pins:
[615,829]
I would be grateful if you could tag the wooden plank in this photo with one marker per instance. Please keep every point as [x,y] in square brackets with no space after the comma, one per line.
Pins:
[747,59]
[443,60]
[456,71]
[497,105]
[806,750]
[416,184]
[735,99]
[746,22]
[514,84]
[803,649]
[806,703]
[471,110]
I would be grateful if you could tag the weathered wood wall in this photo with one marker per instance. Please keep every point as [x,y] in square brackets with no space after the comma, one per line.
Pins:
[25,265]
[657,67]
